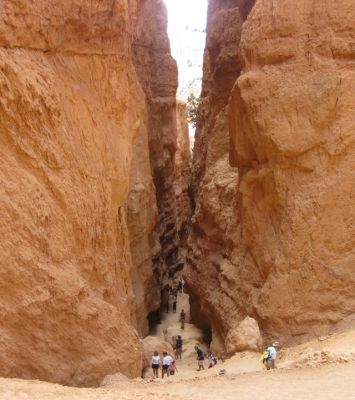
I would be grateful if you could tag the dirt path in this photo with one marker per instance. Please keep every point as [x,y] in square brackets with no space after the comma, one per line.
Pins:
[322,369]
[327,382]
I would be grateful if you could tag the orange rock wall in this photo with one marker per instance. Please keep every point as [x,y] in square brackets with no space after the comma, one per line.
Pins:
[293,140]
[212,280]
[272,236]
[157,73]
[77,194]
[182,174]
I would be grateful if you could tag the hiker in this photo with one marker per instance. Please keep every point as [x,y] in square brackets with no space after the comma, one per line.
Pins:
[180,286]
[269,356]
[173,368]
[165,299]
[155,364]
[182,318]
[200,358]
[167,361]
[174,306]
[212,360]
[175,292]
[178,347]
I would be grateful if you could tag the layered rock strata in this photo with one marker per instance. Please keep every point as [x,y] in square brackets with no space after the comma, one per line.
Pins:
[273,235]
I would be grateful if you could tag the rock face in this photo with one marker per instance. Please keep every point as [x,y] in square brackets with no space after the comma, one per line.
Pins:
[273,236]
[245,336]
[212,279]
[182,174]
[157,73]
[76,211]
[293,139]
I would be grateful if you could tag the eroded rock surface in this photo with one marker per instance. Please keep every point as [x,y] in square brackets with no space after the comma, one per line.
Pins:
[273,236]
[293,141]
[157,73]
[76,210]
[212,279]
[182,174]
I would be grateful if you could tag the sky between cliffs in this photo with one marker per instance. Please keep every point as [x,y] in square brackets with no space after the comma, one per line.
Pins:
[186,28]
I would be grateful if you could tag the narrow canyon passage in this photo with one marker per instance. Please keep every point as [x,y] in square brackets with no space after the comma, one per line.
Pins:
[108,196]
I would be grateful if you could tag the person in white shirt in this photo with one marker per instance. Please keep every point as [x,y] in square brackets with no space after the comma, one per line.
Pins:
[155,364]
[272,356]
[167,360]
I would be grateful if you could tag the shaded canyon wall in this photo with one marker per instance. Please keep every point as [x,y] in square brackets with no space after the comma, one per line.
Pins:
[272,235]
[157,72]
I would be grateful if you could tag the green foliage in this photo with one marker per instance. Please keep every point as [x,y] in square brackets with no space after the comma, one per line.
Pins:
[192,109]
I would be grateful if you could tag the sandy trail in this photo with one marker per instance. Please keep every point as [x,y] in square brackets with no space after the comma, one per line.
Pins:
[323,369]
[322,383]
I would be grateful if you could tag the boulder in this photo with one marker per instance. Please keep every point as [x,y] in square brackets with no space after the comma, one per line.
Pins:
[150,344]
[245,336]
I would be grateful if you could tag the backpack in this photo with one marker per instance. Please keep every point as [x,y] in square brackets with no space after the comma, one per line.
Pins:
[265,357]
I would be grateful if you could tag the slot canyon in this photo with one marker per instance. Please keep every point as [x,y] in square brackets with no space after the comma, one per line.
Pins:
[106,200]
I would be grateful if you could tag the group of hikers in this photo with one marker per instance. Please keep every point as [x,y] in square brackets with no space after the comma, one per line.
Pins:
[167,363]
[170,299]
[170,295]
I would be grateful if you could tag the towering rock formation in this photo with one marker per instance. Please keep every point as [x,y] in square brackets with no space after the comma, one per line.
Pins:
[182,175]
[293,140]
[154,222]
[70,106]
[273,236]
[157,73]
[214,291]
[71,110]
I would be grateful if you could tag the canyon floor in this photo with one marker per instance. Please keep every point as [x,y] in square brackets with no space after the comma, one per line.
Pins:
[322,369]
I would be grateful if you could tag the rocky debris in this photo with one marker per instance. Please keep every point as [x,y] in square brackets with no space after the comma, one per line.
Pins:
[245,336]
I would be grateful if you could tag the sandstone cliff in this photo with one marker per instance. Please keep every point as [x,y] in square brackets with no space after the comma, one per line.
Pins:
[211,272]
[157,73]
[273,236]
[70,108]
[293,140]
[182,174]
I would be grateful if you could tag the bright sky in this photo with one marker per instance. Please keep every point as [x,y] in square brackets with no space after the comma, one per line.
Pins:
[187,24]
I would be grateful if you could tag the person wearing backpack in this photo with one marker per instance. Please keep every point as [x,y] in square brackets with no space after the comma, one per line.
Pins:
[269,356]
[200,358]
[178,347]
